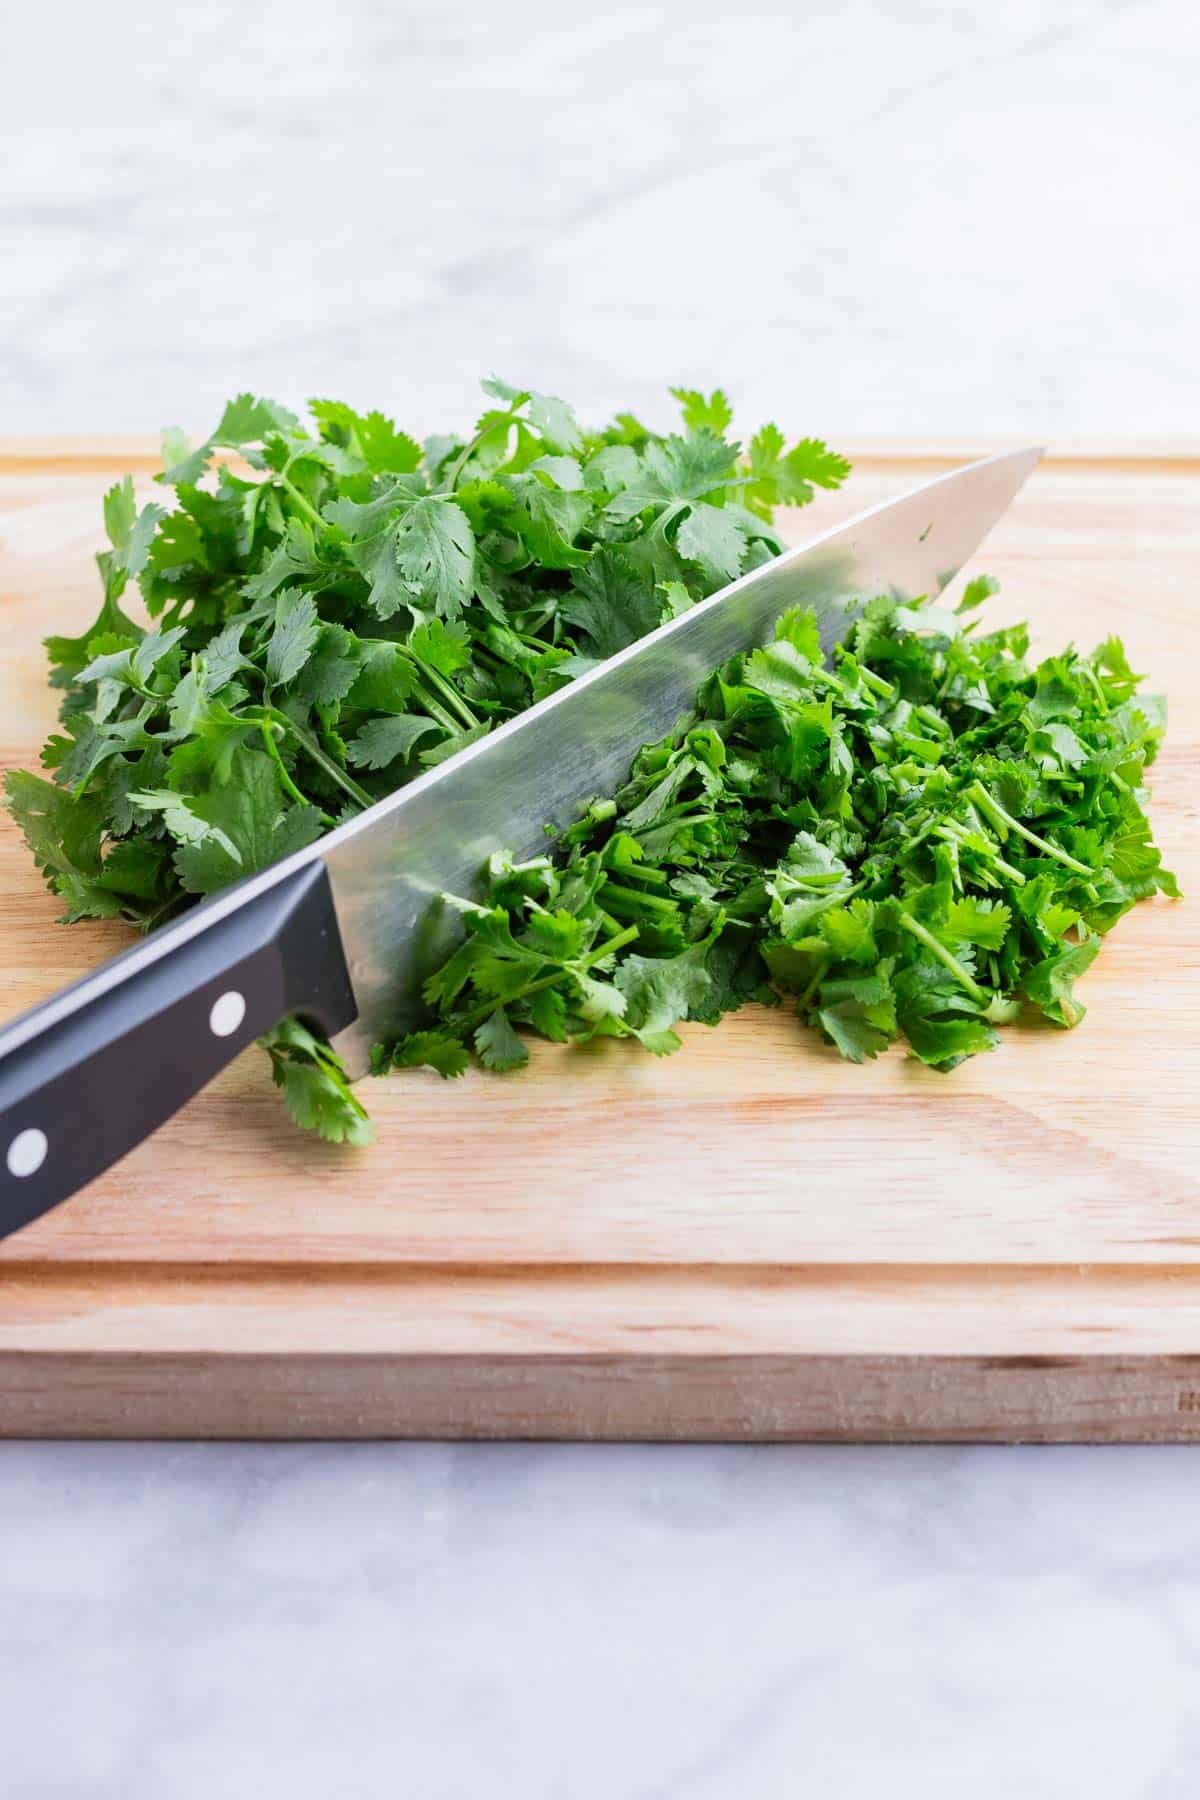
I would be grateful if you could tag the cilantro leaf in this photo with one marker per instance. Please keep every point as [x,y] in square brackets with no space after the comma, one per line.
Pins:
[372,438]
[63,831]
[779,476]
[316,1088]
[295,558]
[234,829]
[498,1045]
[661,991]
[700,413]
[712,537]
[425,1050]
[244,421]
[382,740]
[972,920]
[446,648]
[297,627]
[850,1029]
[610,604]
[435,554]
[556,422]
[1050,983]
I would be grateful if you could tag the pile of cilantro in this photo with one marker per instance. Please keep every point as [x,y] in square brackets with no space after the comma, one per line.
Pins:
[912,842]
[344,607]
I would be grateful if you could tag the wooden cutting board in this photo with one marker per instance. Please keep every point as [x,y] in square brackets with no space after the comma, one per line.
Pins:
[751,1239]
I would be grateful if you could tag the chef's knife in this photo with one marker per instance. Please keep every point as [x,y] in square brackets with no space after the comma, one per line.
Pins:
[344,932]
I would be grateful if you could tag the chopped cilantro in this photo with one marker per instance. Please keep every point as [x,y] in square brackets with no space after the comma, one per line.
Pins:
[911,844]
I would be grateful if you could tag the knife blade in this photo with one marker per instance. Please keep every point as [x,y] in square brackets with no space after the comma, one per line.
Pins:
[345,932]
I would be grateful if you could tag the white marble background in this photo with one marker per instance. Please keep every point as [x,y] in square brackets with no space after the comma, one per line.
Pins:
[861,215]
[875,215]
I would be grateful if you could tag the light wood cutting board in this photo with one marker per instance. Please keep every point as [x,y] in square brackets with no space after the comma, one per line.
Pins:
[751,1239]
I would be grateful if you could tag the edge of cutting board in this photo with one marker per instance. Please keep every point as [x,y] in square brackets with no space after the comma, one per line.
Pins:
[1041,1355]
[140,454]
[1101,1399]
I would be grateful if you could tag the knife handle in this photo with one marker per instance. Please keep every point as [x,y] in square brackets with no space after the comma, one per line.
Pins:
[89,1074]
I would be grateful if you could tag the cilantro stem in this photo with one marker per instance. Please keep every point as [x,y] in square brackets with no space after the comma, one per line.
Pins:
[431,678]
[609,948]
[822,878]
[486,653]
[437,711]
[944,956]
[289,786]
[306,506]
[627,897]
[1004,821]
[933,720]
[639,872]
[169,906]
[449,693]
[951,832]
[1090,676]
[877,684]
[618,942]
[315,753]
[825,678]
[530,633]
[468,450]
[818,976]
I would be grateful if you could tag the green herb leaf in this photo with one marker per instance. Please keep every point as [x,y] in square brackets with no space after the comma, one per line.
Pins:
[498,1045]
[435,554]
[381,741]
[297,626]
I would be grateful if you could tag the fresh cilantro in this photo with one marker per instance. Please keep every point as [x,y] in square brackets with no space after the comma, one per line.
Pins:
[335,607]
[913,843]
[704,413]
[315,1089]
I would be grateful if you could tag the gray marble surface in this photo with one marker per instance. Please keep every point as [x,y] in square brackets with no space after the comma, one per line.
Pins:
[692,1624]
[880,215]
[874,215]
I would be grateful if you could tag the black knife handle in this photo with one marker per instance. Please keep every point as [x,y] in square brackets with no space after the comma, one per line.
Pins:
[90,1073]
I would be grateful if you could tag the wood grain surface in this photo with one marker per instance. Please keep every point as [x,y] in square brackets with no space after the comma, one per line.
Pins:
[751,1239]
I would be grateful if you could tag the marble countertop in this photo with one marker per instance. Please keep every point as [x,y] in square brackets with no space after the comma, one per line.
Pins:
[885,215]
[590,1622]
[879,215]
